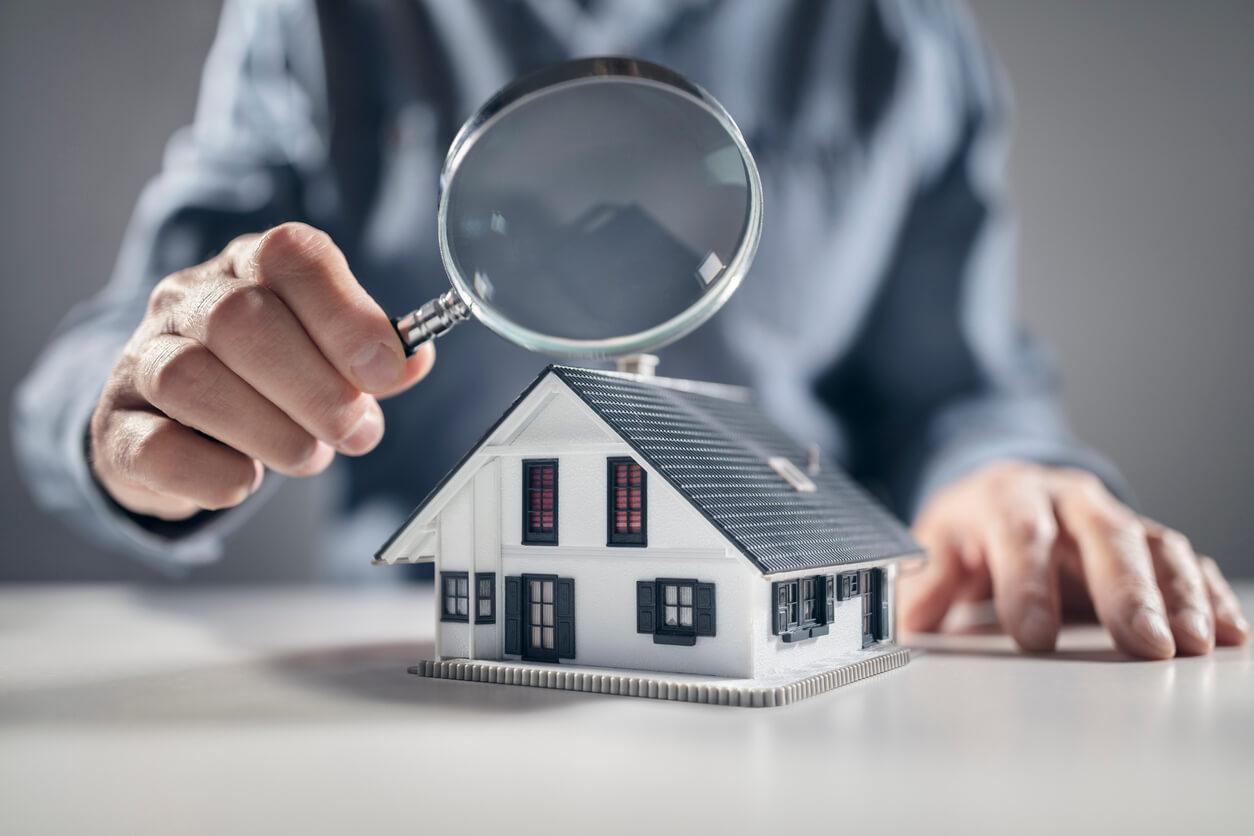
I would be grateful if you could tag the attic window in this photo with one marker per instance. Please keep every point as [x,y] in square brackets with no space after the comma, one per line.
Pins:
[627,503]
[540,502]
[791,474]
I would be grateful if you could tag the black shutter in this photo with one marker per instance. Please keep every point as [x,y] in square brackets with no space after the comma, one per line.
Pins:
[513,615]
[564,614]
[703,612]
[877,597]
[779,608]
[830,612]
[646,607]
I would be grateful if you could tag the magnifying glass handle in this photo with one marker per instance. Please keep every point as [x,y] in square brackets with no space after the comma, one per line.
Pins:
[431,320]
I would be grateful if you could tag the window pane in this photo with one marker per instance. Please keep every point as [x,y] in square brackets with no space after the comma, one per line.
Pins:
[548,592]
[535,614]
[672,616]
[450,584]
[548,616]
[485,607]
[685,616]
[672,594]
[463,606]
[485,587]
[548,638]
[450,605]
[535,637]
[535,590]
[462,587]
[685,596]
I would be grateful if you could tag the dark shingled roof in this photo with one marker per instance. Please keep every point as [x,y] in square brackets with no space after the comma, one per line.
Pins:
[714,451]
[712,445]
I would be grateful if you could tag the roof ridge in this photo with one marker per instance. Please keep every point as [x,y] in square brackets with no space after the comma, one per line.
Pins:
[710,389]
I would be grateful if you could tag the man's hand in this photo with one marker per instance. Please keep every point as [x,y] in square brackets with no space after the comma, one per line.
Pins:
[270,355]
[1044,541]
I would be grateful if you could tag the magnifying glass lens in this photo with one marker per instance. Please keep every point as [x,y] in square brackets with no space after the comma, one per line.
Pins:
[596,210]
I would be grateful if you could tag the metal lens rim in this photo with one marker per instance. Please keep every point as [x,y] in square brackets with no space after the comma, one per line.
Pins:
[563,76]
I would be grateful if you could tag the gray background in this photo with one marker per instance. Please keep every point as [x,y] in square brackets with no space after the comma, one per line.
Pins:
[1131,172]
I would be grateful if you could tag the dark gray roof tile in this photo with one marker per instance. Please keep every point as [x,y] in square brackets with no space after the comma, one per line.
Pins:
[714,451]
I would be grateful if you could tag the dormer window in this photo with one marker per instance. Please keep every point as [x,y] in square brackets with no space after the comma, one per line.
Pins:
[539,490]
[627,506]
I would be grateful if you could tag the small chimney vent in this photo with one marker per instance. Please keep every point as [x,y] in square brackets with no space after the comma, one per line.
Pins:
[641,365]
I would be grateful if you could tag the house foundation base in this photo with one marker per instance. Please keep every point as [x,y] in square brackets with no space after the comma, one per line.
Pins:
[768,691]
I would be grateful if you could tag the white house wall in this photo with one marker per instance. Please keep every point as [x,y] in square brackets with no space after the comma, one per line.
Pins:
[483,518]
[605,607]
[486,489]
[457,544]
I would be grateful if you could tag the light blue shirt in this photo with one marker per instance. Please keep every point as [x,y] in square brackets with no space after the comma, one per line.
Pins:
[878,320]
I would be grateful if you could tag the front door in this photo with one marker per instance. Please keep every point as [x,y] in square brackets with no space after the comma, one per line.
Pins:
[539,612]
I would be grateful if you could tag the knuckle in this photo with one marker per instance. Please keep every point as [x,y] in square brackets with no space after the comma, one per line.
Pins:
[1176,543]
[288,244]
[294,452]
[1036,531]
[176,373]
[239,311]
[145,454]
[336,410]
[1133,592]
[1186,586]
[231,491]
[1087,484]
[165,295]
[1117,525]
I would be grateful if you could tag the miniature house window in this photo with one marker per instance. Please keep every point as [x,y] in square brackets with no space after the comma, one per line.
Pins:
[540,502]
[808,610]
[627,503]
[485,598]
[803,607]
[456,597]
[540,617]
[674,610]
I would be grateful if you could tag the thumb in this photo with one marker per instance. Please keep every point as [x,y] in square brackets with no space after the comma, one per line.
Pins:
[416,368]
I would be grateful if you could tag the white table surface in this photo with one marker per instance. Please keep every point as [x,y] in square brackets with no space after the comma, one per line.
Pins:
[129,710]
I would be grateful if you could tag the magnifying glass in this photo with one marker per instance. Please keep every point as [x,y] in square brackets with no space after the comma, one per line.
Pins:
[595,208]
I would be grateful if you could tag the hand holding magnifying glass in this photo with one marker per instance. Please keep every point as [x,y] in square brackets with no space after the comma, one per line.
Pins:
[595,208]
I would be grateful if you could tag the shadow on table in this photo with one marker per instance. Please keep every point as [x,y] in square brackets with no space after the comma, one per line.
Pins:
[351,683]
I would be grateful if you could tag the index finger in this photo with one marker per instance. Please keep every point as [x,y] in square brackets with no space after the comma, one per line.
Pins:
[303,267]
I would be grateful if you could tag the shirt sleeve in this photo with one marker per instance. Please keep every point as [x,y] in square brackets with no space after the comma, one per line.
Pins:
[243,165]
[943,378]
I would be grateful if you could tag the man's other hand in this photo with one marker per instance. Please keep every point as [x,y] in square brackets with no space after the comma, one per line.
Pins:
[1047,541]
[270,355]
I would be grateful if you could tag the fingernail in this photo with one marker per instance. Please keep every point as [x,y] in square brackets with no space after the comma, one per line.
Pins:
[1036,629]
[1153,628]
[258,477]
[366,435]
[377,367]
[1196,624]
[1240,622]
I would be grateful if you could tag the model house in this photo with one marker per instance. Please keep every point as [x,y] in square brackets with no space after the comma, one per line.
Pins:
[638,535]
